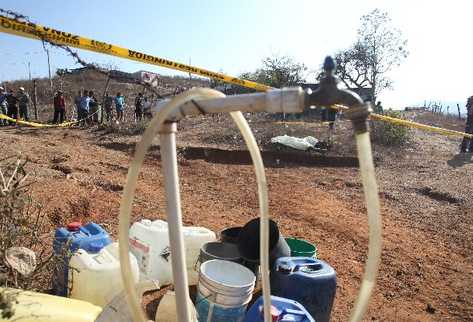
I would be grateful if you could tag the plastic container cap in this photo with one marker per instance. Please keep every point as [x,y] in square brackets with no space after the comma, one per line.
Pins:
[146,222]
[95,247]
[284,268]
[275,313]
[74,226]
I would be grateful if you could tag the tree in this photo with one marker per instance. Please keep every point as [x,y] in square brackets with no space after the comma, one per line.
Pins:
[278,71]
[379,48]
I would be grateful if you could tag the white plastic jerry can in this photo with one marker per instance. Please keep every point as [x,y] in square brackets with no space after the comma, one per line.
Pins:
[96,276]
[149,242]
[194,239]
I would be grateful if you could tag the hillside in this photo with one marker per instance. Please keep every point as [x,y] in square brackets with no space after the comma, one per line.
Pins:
[425,189]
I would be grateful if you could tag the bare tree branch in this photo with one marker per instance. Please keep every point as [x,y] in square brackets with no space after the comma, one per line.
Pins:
[379,48]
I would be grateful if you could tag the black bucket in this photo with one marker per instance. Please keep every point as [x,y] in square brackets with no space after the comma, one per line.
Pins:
[230,235]
[249,243]
[219,250]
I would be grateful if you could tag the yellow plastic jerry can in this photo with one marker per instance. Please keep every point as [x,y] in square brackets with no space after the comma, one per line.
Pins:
[38,307]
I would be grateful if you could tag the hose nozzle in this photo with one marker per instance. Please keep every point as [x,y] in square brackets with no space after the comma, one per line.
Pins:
[359,117]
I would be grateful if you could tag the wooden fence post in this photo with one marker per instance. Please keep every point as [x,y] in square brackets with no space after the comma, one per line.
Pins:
[103,99]
[35,100]
[459,114]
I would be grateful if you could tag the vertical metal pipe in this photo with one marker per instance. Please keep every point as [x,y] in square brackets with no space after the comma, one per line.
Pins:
[167,139]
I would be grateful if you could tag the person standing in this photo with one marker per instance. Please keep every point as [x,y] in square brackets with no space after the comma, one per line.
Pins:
[12,102]
[120,106]
[107,104]
[77,100]
[379,108]
[23,101]
[467,143]
[59,108]
[84,108]
[329,115]
[3,105]
[139,105]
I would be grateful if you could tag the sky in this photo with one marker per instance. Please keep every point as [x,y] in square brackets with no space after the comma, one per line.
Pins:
[234,36]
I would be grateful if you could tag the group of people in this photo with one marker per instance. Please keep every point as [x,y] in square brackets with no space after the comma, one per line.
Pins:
[141,106]
[119,102]
[87,105]
[14,105]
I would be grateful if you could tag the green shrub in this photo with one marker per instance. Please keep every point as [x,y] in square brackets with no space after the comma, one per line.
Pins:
[389,134]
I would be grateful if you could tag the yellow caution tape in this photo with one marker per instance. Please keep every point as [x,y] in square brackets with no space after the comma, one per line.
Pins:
[298,122]
[420,126]
[35,31]
[33,124]
[412,124]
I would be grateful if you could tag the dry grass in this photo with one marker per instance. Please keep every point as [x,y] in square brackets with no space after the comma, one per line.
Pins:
[22,223]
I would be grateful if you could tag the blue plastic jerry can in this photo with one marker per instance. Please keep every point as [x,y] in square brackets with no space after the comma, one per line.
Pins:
[282,310]
[309,281]
[91,238]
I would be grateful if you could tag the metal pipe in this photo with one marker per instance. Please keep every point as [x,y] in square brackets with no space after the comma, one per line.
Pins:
[286,100]
[167,140]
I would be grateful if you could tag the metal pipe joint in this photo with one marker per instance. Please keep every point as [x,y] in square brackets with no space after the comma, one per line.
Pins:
[329,93]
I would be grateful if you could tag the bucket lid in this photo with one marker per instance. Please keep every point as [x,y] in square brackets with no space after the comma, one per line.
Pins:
[227,274]
[74,226]
[249,239]
[233,232]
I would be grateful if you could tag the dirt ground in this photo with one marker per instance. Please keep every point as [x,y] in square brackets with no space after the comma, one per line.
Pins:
[425,189]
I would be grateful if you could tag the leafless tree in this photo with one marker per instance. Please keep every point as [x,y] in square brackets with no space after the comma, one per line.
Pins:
[278,71]
[379,48]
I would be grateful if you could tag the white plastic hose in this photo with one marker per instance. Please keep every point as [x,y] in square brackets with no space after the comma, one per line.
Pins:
[130,187]
[370,188]
[264,209]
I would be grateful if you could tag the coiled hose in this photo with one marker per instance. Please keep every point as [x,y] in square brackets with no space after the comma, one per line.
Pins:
[130,187]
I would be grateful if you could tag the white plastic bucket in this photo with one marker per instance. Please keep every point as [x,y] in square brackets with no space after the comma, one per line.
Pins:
[223,292]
